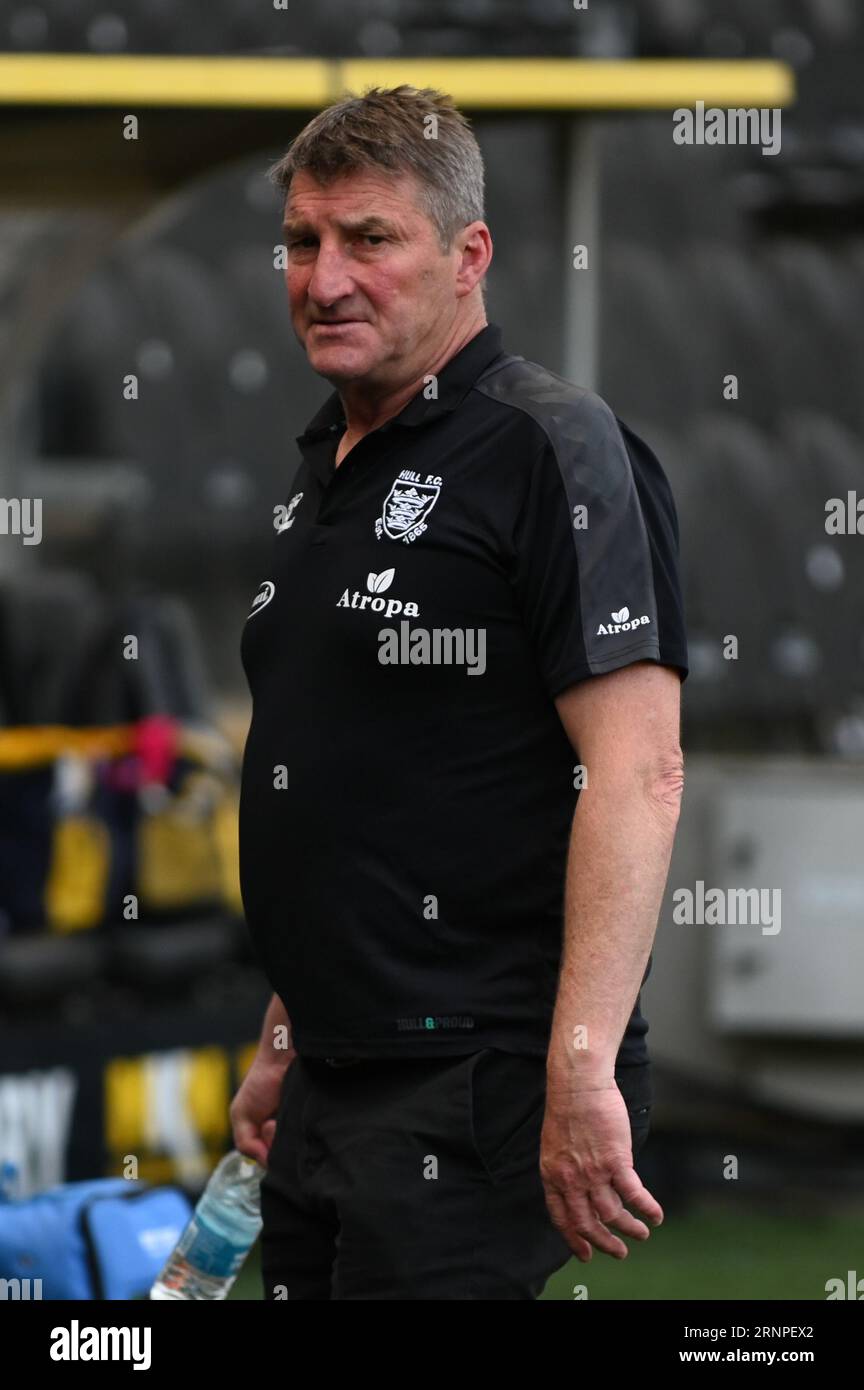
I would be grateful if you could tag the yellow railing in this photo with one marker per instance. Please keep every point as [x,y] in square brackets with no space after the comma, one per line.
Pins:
[503,83]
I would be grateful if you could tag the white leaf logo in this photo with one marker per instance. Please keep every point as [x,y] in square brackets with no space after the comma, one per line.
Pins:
[377,583]
[622,616]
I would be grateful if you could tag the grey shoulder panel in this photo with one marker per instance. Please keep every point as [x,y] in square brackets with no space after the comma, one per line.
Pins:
[613,551]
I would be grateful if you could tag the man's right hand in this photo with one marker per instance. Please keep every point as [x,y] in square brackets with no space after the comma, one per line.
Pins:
[253,1109]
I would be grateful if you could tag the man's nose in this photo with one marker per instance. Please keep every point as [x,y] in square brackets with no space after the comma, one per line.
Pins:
[330,279]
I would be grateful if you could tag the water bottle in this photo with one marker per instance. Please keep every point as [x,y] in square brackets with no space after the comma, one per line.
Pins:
[207,1258]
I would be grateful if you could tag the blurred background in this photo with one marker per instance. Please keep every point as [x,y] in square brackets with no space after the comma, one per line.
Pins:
[150,393]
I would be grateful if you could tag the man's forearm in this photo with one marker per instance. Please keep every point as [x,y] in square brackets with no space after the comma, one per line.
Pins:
[618,861]
[276,1047]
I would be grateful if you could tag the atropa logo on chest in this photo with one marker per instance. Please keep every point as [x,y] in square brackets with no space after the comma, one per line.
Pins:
[376,584]
[407,505]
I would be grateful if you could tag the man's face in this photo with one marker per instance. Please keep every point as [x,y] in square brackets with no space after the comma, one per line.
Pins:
[367,280]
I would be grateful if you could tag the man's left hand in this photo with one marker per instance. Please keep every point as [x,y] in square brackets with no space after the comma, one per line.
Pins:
[586,1165]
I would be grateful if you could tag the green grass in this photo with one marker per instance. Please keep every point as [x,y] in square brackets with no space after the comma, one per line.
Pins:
[718,1251]
[725,1254]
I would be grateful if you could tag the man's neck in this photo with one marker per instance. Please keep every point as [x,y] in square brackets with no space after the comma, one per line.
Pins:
[365,410]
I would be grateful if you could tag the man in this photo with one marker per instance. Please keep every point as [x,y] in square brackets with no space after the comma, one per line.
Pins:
[471,612]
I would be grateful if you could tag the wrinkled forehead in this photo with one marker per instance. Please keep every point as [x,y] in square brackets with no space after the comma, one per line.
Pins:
[394,197]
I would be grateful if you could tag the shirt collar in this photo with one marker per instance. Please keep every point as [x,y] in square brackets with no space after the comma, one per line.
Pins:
[455,380]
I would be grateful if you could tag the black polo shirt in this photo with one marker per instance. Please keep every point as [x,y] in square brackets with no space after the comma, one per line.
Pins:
[408,787]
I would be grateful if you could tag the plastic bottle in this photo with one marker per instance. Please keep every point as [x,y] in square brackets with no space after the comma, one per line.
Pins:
[221,1231]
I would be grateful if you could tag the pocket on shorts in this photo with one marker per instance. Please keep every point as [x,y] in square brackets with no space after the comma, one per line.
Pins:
[639,1133]
[634,1083]
[289,1080]
[506,1099]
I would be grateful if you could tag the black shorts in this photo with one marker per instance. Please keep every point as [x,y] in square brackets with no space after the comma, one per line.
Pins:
[415,1179]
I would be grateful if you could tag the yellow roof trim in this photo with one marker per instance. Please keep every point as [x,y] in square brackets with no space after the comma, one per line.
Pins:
[540,84]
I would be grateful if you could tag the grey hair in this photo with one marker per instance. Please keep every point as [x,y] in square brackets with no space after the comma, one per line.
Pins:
[401,129]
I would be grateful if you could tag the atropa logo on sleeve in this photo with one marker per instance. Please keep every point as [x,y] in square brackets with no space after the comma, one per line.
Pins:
[622,622]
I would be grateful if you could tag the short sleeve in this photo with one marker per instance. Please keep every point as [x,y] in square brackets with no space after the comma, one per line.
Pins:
[596,573]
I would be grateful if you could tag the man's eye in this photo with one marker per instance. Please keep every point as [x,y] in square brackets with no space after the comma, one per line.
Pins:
[299,241]
[373,236]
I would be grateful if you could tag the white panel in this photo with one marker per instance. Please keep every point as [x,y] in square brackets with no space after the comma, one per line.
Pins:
[808,977]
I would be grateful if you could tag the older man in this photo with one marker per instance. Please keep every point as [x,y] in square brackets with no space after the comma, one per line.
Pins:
[462,778]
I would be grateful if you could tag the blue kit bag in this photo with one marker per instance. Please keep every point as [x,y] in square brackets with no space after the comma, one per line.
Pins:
[103,1239]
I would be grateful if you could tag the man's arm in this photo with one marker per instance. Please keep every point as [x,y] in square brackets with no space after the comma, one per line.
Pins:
[276,1046]
[254,1108]
[625,729]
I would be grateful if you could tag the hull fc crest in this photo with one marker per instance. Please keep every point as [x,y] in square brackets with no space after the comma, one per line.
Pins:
[406,507]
